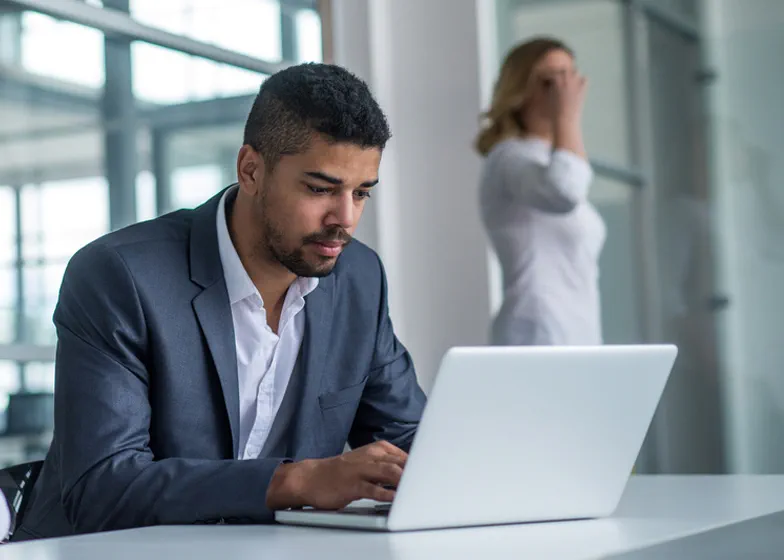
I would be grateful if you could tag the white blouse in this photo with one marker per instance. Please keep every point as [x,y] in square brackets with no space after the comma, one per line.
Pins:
[548,239]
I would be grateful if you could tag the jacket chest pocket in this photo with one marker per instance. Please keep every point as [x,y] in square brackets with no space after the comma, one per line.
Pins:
[342,397]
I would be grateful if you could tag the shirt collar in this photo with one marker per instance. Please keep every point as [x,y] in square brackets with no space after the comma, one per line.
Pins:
[238,283]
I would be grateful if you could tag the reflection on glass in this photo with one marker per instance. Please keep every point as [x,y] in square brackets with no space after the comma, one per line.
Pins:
[691,404]
[618,281]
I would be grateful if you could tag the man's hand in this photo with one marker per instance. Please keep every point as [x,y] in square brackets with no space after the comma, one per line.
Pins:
[336,482]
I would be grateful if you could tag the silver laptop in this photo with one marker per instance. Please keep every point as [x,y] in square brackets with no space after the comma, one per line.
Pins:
[519,434]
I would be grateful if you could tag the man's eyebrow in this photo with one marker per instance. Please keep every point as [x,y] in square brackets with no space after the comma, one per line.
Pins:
[335,180]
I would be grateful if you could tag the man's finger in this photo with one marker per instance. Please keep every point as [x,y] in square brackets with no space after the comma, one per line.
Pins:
[375,450]
[381,472]
[393,449]
[371,491]
[393,459]
[397,461]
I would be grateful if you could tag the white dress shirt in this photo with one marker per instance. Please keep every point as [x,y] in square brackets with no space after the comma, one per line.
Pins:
[265,360]
[548,238]
[5,517]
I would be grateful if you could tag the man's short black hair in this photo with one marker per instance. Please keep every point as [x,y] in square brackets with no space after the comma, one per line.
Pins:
[323,98]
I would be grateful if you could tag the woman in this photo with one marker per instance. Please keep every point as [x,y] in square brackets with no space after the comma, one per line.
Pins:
[533,195]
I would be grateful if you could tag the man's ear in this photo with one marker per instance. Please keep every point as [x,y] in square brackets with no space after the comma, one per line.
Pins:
[250,169]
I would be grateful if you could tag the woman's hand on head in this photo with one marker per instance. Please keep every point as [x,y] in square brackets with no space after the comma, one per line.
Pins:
[567,93]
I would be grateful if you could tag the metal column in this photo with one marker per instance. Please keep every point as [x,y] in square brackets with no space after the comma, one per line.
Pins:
[635,37]
[161,169]
[288,31]
[10,37]
[20,321]
[119,106]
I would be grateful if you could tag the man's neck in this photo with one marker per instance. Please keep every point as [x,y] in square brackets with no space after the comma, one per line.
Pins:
[273,305]
[271,279]
[273,282]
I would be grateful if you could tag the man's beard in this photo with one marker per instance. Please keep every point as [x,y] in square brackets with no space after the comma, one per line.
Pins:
[295,260]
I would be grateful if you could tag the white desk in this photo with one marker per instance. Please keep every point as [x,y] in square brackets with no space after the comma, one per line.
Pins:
[654,510]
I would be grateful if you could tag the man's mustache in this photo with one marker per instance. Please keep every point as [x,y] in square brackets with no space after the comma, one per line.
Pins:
[329,236]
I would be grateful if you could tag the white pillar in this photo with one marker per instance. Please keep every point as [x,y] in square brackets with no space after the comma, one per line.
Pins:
[422,61]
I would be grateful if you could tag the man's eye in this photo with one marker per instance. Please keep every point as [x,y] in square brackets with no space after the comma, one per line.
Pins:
[362,194]
[318,190]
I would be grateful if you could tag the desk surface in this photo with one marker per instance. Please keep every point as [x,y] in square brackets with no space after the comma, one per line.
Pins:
[654,510]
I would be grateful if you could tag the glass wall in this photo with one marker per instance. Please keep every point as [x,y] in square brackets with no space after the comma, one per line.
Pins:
[746,85]
[132,130]
[683,125]
[594,31]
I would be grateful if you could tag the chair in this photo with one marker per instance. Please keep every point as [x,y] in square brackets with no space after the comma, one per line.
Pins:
[17,483]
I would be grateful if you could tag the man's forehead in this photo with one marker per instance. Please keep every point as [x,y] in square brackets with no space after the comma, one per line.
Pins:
[341,151]
[339,160]
[340,180]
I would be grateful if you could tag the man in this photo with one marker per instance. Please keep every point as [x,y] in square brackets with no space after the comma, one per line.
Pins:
[212,363]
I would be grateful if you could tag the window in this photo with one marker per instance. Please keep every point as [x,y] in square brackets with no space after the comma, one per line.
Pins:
[309,47]
[8,296]
[193,185]
[51,234]
[54,149]
[40,34]
[250,27]
[165,76]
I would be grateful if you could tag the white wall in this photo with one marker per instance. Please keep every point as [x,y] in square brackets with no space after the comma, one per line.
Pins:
[746,44]
[421,60]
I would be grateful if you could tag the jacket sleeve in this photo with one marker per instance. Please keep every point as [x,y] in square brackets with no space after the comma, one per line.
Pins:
[110,477]
[392,402]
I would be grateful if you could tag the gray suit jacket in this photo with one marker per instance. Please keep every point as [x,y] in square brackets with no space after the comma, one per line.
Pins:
[146,391]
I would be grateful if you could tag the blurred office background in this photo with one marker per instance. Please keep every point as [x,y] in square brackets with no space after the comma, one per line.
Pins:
[117,111]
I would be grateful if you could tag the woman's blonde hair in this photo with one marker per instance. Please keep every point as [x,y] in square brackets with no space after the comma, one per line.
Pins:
[504,119]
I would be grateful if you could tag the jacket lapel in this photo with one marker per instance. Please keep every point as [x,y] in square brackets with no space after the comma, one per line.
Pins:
[212,307]
[318,317]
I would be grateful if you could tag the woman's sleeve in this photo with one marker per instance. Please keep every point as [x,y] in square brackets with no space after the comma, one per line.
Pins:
[556,187]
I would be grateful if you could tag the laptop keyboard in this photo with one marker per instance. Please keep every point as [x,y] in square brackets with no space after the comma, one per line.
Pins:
[380,510]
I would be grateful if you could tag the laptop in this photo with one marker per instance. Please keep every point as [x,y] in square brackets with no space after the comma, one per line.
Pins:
[519,434]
